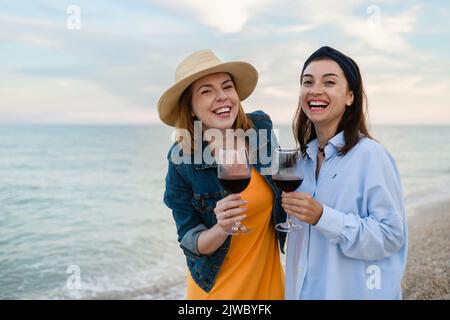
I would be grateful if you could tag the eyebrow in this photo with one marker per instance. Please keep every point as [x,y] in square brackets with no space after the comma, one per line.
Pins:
[325,75]
[208,85]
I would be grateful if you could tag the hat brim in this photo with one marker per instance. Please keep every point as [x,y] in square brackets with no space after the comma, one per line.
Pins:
[245,79]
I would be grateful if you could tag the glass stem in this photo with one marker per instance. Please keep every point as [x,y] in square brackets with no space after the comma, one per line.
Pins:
[289,221]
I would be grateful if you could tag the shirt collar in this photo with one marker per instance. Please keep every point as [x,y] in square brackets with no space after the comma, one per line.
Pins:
[332,147]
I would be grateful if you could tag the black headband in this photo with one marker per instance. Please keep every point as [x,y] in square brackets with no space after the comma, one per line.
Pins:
[347,65]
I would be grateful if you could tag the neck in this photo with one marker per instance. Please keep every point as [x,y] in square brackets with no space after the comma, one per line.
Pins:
[324,134]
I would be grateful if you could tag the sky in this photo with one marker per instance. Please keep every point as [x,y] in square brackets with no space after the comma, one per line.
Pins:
[107,62]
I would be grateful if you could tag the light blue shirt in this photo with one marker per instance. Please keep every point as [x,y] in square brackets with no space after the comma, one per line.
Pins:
[357,250]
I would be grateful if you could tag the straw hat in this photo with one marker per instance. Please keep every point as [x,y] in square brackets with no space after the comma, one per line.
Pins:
[196,66]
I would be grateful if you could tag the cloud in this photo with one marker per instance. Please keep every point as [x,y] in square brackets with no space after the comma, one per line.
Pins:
[386,33]
[222,15]
[25,22]
[125,55]
[394,83]
[373,26]
[66,100]
[297,28]
[22,29]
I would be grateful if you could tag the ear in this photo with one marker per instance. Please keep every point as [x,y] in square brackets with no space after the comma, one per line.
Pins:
[349,99]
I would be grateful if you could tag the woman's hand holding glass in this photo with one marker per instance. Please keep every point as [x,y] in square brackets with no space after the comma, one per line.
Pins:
[229,212]
[302,206]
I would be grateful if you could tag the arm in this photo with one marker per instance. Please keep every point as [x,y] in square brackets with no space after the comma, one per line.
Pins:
[194,237]
[382,232]
[376,236]
[227,213]
[210,240]
[177,196]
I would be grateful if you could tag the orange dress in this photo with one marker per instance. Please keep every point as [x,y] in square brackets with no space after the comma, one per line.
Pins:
[252,268]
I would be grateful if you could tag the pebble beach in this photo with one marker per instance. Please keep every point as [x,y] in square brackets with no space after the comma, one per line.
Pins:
[427,274]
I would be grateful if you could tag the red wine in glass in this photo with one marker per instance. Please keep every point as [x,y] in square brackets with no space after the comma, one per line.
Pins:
[235,184]
[288,176]
[287,183]
[234,173]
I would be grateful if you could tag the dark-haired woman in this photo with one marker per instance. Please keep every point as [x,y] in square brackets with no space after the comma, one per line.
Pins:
[353,243]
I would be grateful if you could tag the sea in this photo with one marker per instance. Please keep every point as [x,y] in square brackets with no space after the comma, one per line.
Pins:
[82,216]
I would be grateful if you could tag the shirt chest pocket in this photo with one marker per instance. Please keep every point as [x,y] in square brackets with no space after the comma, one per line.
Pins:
[205,204]
[342,192]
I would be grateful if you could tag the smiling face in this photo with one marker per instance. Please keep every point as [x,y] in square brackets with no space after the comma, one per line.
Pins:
[215,101]
[325,93]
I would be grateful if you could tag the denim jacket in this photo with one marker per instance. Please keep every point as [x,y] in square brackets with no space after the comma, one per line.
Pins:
[192,191]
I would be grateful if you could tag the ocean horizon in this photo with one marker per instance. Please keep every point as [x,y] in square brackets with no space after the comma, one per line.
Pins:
[89,198]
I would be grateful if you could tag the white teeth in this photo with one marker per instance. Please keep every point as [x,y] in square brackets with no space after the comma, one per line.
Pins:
[223,109]
[318,104]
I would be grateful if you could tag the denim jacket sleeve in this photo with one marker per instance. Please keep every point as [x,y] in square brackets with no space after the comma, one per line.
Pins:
[189,223]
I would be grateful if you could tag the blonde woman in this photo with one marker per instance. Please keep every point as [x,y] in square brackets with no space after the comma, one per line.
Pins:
[221,266]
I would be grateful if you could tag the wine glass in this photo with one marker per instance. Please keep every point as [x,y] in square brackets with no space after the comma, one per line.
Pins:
[288,176]
[234,173]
